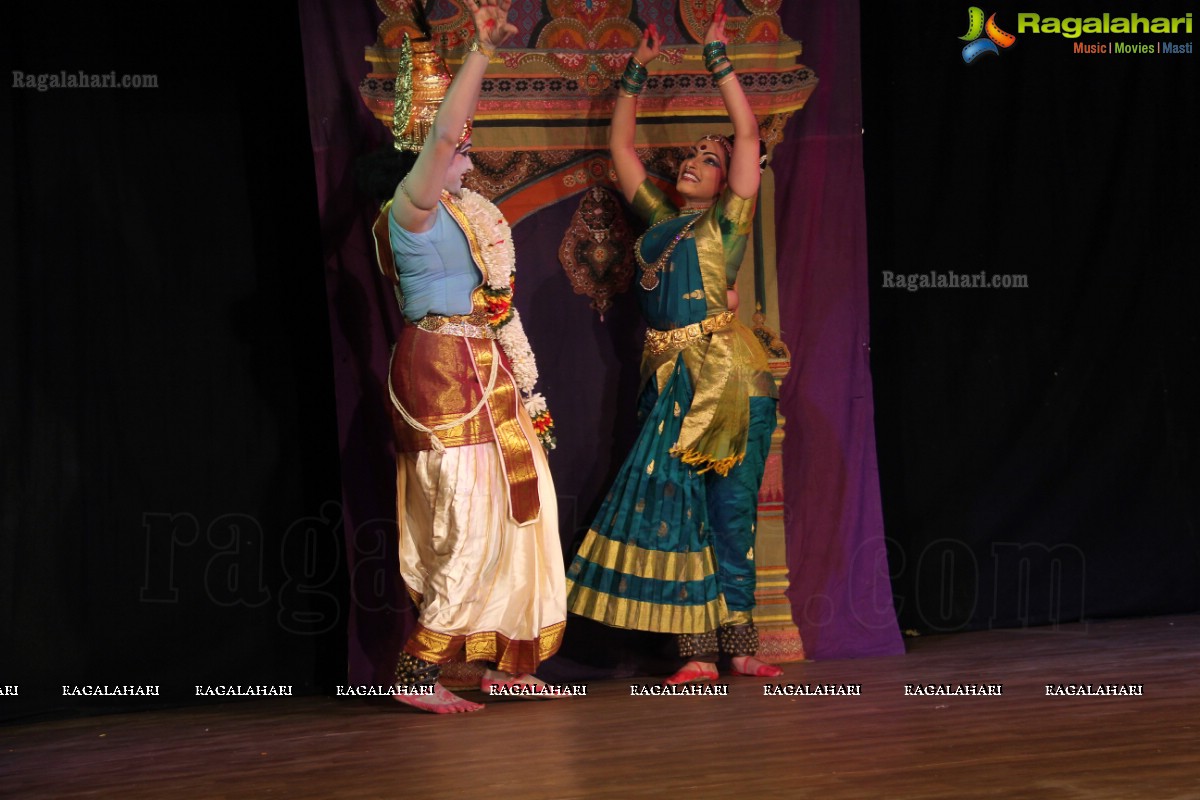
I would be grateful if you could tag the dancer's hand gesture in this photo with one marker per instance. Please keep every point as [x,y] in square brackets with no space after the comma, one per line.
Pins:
[716,26]
[492,27]
[650,46]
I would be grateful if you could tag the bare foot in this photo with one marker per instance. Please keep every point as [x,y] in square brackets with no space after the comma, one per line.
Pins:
[524,679]
[752,667]
[442,701]
[523,686]
[693,672]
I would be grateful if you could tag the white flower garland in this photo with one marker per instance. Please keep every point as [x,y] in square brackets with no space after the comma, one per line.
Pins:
[495,238]
[500,263]
[520,354]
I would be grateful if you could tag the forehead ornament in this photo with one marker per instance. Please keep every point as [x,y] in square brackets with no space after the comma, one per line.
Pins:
[722,141]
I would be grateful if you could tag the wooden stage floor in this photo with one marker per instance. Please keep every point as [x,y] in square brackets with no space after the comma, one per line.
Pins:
[881,744]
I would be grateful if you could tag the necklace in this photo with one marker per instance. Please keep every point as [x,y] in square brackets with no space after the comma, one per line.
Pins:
[649,279]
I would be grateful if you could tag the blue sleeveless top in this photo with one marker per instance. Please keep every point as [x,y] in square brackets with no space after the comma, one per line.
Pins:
[436,271]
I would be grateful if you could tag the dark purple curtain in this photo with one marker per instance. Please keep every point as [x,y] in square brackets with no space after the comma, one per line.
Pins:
[363,318]
[840,590]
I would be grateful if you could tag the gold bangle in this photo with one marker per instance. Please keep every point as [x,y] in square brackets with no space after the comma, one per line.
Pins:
[477,46]
[730,77]
[624,93]
[634,59]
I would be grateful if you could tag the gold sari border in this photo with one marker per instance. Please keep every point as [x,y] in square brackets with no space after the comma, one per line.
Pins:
[651,203]
[516,452]
[639,615]
[658,565]
[515,655]
[738,211]
[460,219]
[509,655]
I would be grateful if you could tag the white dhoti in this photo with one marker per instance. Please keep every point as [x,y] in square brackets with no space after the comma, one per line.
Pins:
[478,517]
[481,582]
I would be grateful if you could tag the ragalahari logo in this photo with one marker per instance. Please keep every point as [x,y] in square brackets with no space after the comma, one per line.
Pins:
[976,27]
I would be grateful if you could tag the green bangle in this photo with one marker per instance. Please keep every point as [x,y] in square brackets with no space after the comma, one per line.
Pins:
[633,80]
[717,76]
[714,52]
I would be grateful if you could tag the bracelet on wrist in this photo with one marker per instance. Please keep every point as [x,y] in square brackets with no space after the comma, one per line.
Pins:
[633,80]
[722,71]
[477,46]
[717,66]
[714,53]
[630,90]
[728,76]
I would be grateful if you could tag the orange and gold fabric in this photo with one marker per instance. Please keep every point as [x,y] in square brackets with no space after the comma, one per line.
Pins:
[439,378]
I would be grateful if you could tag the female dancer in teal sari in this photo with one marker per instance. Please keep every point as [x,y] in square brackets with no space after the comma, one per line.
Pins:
[672,547]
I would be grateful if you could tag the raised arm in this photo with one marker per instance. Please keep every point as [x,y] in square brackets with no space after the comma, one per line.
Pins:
[744,174]
[629,168]
[418,194]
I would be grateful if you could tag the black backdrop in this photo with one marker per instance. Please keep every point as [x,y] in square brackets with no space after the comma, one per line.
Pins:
[1037,446]
[168,425]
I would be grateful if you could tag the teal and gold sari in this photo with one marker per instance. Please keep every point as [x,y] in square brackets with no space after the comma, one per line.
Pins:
[671,549]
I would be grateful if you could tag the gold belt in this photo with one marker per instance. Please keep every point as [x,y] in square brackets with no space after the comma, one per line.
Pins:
[474,326]
[658,342]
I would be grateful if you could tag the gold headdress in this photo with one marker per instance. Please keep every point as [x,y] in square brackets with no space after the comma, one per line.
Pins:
[421,84]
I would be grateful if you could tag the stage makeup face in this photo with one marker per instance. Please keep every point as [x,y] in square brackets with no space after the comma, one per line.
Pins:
[702,173]
[459,167]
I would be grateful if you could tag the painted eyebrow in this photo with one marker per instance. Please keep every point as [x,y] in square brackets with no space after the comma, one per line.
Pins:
[709,155]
